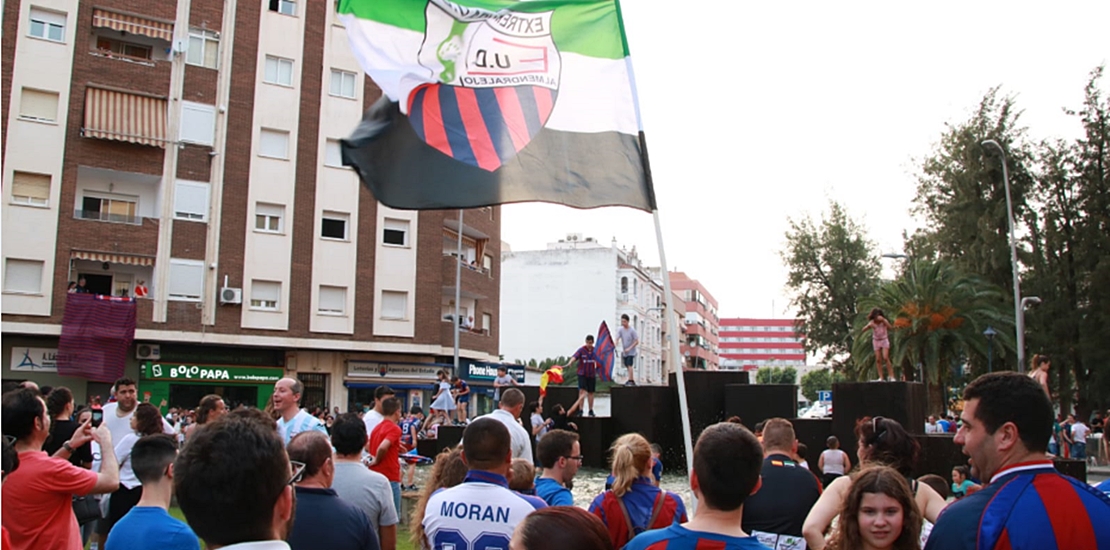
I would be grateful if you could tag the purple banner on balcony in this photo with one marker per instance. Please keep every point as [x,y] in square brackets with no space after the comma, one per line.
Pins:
[97,332]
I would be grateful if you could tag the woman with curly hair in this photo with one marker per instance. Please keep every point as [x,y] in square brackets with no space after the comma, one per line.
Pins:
[879,513]
[881,441]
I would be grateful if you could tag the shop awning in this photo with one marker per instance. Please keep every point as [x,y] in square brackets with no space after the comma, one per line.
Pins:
[125,116]
[112,258]
[134,24]
[392,385]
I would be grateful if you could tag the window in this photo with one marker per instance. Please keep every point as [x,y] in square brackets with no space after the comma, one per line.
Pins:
[49,25]
[30,189]
[190,200]
[343,83]
[186,280]
[286,7]
[278,71]
[23,276]
[487,262]
[265,295]
[333,300]
[273,144]
[268,217]
[198,123]
[121,48]
[204,48]
[395,232]
[334,225]
[38,105]
[487,322]
[109,208]
[395,305]
[332,154]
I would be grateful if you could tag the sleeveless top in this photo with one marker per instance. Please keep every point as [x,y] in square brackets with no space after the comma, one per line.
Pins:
[834,461]
[879,332]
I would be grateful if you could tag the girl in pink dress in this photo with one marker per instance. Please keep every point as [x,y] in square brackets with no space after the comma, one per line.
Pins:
[880,339]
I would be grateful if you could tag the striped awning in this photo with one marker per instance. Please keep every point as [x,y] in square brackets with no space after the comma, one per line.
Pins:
[133,24]
[112,257]
[123,116]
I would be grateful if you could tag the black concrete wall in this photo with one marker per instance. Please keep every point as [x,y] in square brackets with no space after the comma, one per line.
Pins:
[813,432]
[649,411]
[595,435]
[756,403]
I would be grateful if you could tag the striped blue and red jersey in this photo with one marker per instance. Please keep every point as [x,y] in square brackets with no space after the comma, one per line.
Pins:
[677,537]
[1028,506]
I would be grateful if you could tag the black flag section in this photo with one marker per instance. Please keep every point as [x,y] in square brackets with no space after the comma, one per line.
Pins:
[576,169]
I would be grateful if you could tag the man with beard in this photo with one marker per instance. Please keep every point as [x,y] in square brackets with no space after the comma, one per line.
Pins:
[234,483]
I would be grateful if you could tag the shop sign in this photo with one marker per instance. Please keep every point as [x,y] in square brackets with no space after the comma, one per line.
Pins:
[34,359]
[209,373]
[376,369]
[488,371]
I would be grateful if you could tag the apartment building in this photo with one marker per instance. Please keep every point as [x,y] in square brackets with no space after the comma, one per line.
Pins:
[186,154]
[700,349]
[748,344]
[552,298]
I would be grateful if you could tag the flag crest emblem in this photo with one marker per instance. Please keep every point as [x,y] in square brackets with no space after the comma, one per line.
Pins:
[494,81]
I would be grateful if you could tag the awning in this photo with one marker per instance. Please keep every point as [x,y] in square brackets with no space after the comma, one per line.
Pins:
[123,116]
[112,257]
[133,24]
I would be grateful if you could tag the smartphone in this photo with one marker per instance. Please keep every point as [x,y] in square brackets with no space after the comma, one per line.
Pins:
[97,417]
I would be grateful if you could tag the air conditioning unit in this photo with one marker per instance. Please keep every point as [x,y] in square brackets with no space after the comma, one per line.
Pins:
[150,352]
[230,295]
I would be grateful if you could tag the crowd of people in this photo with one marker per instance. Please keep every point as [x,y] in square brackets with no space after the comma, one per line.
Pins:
[279,479]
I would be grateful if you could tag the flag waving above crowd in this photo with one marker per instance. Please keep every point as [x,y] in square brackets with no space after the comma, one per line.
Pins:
[494,101]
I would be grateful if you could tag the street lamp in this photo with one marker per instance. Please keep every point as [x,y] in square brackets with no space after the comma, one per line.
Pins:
[1019,319]
[989,333]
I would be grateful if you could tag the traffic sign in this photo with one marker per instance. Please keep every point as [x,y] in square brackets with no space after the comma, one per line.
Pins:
[824,396]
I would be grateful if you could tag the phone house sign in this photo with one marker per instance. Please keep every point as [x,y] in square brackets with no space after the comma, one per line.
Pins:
[209,373]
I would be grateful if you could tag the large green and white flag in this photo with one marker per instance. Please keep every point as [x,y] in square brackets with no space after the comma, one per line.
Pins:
[496,101]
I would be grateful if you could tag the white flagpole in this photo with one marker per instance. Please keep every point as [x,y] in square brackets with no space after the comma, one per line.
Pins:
[458,291]
[672,330]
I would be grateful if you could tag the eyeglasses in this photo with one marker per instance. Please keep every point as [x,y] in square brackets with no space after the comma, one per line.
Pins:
[876,422]
[298,472]
[579,458]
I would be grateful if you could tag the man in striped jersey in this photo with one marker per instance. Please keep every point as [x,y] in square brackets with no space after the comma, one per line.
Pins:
[294,419]
[1007,421]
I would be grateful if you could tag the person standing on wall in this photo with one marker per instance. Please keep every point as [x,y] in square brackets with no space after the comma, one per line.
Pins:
[629,340]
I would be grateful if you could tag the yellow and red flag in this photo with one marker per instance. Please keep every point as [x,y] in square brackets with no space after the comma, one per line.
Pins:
[553,374]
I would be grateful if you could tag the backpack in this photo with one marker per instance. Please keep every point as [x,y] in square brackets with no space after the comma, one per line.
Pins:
[620,532]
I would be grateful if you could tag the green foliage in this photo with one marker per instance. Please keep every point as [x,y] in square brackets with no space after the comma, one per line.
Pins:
[776,375]
[832,265]
[819,380]
[939,314]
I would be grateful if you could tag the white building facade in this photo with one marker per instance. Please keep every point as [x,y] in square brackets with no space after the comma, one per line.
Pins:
[551,299]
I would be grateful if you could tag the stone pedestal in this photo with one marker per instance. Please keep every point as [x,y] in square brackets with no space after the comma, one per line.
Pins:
[595,435]
[813,432]
[754,403]
[705,393]
[904,402]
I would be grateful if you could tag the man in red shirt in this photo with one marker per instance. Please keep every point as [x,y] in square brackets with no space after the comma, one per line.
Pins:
[38,496]
[385,447]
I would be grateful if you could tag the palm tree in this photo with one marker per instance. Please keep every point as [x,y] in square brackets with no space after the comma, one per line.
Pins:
[939,314]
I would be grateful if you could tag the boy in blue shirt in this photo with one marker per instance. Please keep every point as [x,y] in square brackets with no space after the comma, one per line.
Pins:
[149,524]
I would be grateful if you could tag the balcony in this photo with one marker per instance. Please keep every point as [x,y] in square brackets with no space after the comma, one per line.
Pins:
[476,340]
[477,283]
[109,217]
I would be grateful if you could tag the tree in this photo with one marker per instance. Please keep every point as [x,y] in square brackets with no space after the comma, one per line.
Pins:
[819,380]
[776,375]
[939,314]
[832,265]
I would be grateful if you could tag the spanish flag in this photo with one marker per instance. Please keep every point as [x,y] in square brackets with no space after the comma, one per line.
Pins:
[554,374]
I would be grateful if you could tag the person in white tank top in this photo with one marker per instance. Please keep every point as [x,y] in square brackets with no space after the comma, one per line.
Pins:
[833,461]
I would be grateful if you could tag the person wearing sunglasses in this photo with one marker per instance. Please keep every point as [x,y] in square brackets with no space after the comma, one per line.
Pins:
[323,520]
[560,455]
[234,480]
[880,441]
[635,504]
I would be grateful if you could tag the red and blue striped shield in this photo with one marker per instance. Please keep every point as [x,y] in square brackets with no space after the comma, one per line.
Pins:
[483,127]
[606,351]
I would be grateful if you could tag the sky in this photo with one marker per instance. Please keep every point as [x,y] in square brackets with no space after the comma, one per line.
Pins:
[760,112]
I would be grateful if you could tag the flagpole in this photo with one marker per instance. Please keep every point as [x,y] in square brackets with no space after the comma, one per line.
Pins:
[676,357]
[458,290]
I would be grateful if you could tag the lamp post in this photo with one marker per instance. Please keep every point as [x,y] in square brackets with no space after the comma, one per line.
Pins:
[1019,319]
[989,333]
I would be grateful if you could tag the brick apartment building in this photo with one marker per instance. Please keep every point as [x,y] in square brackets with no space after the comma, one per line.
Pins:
[700,348]
[191,148]
[748,344]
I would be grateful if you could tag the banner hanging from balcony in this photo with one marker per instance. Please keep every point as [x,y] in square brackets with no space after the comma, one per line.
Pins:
[97,332]
[496,101]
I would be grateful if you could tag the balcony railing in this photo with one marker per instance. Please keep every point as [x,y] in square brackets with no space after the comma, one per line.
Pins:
[107,217]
